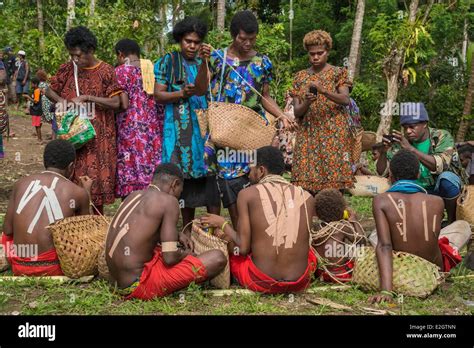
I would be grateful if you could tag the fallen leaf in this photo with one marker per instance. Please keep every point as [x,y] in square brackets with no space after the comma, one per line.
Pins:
[15,313]
[33,304]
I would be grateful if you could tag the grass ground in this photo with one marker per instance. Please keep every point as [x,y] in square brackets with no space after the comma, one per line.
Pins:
[40,297]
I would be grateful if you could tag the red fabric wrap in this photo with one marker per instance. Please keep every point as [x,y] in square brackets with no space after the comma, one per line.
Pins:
[450,255]
[342,273]
[158,280]
[252,278]
[32,270]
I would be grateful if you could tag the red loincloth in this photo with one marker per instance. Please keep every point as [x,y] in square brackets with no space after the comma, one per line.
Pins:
[252,278]
[342,273]
[450,255]
[158,280]
[46,264]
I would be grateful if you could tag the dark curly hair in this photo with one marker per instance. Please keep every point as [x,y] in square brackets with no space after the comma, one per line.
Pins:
[166,171]
[329,205]
[245,21]
[271,158]
[405,166]
[58,154]
[127,47]
[81,37]
[189,25]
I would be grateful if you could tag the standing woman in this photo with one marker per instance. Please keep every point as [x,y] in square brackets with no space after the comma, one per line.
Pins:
[182,142]
[322,154]
[139,127]
[99,89]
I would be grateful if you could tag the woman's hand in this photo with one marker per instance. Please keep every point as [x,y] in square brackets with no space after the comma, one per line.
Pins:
[309,97]
[205,51]
[81,99]
[189,90]
[318,86]
[289,124]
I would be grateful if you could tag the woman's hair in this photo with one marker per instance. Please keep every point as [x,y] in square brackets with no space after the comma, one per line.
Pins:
[42,75]
[245,21]
[35,81]
[317,38]
[329,205]
[127,47]
[82,38]
[189,25]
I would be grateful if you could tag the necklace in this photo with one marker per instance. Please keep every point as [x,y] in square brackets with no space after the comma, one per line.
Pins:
[50,171]
[154,186]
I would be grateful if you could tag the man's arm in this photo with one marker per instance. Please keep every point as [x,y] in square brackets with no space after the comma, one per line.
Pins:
[427,160]
[8,222]
[383,251]
[27,72]
[168,231]
[239,237]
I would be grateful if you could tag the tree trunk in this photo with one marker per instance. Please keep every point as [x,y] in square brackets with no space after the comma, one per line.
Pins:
[465,42]
[465,122]
[164,23]
[39,5]
[92,8]
[392,67]
[220,15]
[356,35]
[70,13]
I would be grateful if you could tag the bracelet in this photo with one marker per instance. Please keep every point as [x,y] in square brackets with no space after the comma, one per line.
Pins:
[223,225]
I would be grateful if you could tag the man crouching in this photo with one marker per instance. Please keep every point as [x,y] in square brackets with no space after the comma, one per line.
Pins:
[269,249]
[37,201]
[142,250]
[408,219]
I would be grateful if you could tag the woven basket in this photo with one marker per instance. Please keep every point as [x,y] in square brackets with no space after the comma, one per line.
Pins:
[412,275]
[369,185]
[465,202]
[369,139]
[357,135]
[204,242]
[4,265]
[236,126]
[104,272]
[78,241]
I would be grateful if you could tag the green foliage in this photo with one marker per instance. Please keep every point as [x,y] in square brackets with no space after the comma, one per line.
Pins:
[428,47]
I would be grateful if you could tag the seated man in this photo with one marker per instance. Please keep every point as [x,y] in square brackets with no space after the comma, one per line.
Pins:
[37,201]
[269,249]
[142,250]
[335,239]
[408,219]
[441,173]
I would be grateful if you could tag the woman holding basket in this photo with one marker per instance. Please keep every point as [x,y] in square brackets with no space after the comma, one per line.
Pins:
[239,75]
[91,83]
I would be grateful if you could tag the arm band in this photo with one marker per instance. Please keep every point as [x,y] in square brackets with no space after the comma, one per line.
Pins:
[169,246]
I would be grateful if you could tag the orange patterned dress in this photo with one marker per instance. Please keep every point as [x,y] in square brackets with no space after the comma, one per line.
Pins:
[322,154]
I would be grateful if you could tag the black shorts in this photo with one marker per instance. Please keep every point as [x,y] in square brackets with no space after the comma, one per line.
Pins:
[230,189]
[200,192]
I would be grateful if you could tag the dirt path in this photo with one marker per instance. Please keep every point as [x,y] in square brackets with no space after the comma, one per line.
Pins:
[23,154]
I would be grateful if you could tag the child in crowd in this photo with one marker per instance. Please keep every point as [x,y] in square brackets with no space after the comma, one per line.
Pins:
[46,104]
[35,107]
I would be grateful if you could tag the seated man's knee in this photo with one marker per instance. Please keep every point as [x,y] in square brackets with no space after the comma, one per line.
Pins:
[449,185]
[220,259]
